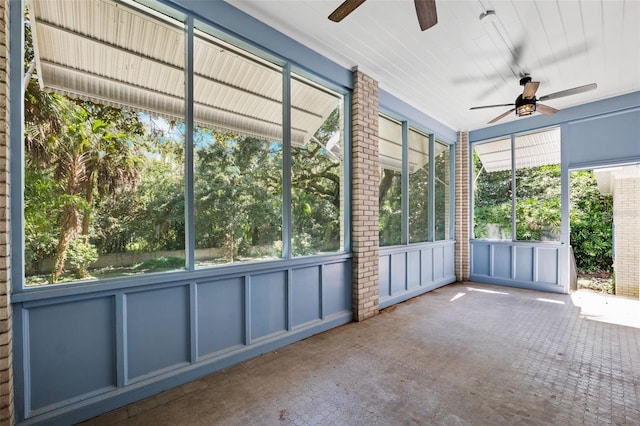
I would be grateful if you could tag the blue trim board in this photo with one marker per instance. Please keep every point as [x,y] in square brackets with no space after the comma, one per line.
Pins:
[91,288]
[528,285]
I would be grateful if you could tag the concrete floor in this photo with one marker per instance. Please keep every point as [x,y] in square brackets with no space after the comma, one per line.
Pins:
[464,354]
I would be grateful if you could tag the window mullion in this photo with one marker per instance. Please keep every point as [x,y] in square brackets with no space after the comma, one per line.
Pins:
[286,162]
[431,212]
[189,153]
[16,123]
[513,188]
[405,183]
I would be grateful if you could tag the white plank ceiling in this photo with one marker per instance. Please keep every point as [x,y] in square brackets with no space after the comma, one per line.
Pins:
[463,61]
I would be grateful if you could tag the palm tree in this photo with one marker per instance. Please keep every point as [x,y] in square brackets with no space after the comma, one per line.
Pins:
[91,149]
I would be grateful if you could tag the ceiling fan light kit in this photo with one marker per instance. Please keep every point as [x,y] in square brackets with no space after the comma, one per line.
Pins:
[525,107]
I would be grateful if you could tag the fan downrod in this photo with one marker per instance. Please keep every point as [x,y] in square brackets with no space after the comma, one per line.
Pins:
[524,80]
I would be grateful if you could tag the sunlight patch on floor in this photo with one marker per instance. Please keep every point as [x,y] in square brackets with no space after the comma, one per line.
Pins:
[609,309]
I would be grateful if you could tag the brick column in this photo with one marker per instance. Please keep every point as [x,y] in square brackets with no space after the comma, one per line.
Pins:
[462,226]
[6,353]
[364,196]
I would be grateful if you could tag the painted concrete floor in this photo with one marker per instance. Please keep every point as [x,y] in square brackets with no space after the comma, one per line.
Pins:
[465,354]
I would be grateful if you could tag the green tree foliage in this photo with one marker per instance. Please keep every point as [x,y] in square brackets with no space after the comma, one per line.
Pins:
[315,192]
[491,202]
[87,148]
[238,193]
[591,223]
[390,204]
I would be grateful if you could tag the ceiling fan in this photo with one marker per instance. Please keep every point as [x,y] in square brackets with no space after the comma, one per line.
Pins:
[527,103]
[425,9]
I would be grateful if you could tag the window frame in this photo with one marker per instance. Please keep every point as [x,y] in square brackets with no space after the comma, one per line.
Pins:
[513,185]
[408,126]
[192,23]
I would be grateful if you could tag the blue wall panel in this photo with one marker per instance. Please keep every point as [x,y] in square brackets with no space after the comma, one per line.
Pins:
[398,273]
[426,257]
[481,257]
[336,288]
[413,269]
[221,316]
[449,260]
[502,261]
[306,293]
[72,350]
[536,264]
[547,265]
[157,329]
[524,263]
[268,304]
[438,263]
[384,276]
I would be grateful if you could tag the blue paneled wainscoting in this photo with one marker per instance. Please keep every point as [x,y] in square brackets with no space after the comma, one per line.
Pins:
[89,348]
[410,270]
[536,266]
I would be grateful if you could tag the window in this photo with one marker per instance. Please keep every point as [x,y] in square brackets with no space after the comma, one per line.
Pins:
[534,206]
[390,195]
[537,174]
[121,178]
[492,190]
[317,167]
[418,187]
[419,209]
[443,191]
[237,154]
[104,170]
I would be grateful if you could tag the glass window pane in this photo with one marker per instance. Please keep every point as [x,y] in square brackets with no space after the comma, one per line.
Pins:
[104,143]
[538,186]
[237,154]
[418,187]
[492,190]
[443,194]
[390,196]
[317,167]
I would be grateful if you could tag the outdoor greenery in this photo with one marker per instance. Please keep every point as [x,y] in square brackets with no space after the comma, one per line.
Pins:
[390,199]
[591,223]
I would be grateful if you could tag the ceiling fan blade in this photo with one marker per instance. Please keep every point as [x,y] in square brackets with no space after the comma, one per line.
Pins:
[546,109]
[530,89]
[569,92]
[491,106]
[345,9]
[427,15]
[501,116]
